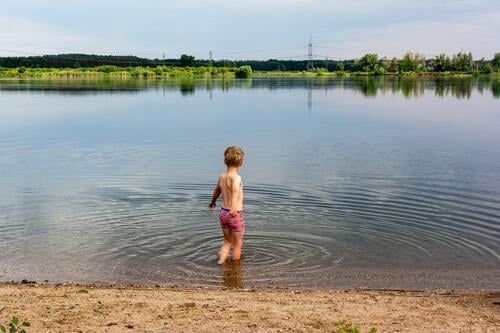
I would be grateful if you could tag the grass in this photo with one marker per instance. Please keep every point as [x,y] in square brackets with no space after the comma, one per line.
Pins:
[163,72]
[345,327]
[118,72]
[15,326]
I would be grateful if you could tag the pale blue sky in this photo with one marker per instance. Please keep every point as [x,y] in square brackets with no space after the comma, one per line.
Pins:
[254,29]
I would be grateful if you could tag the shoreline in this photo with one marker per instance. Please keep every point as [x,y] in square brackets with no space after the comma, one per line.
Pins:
[75,308]
[90,73]
[235,287]
[236,276]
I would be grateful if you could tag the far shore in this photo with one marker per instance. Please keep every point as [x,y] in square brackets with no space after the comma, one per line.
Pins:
[90,308]
[157,73]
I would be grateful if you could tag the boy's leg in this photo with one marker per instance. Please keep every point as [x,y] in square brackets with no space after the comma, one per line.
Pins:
[227,240]
[226,245]
[237,240]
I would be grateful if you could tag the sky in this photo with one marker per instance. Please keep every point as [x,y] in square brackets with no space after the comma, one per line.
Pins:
[256,29]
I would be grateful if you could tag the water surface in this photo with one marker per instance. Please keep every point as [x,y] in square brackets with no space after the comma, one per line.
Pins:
[369,182]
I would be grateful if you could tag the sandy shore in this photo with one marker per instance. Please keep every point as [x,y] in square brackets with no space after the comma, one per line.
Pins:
[115,309]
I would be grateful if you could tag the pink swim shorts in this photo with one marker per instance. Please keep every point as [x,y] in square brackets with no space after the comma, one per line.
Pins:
[235,223]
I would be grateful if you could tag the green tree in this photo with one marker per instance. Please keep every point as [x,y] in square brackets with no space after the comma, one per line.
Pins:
[368,63]
[487,69]
[496,60]
[442,63]
[412,62]
[243,72]
[394,65]
[462,62]
[385,63]
[340,66]
[187,60]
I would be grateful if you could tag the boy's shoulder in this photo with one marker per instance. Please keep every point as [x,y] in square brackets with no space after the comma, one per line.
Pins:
[235,179]
[230,176]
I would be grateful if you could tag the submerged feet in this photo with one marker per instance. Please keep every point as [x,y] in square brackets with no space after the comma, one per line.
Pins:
[222,256]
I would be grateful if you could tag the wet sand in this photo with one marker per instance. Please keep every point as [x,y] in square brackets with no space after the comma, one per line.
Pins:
[76,308]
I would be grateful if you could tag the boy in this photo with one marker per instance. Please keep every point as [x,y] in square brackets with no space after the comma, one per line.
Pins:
[231,215]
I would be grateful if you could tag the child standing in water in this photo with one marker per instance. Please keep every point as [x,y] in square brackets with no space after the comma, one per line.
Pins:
[231,218]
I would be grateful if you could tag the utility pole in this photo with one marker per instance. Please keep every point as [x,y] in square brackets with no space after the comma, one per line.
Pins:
[310,64]
[326,62]
[210,58]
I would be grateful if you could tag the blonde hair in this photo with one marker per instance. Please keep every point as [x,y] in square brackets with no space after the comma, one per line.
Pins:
[233,156]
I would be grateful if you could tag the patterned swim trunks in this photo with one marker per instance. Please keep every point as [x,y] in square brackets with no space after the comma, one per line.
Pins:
[236,223]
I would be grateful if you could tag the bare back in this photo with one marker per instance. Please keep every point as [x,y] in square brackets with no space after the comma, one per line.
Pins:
[231,188]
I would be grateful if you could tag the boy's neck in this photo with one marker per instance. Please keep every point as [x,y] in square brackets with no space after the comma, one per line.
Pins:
[232,169]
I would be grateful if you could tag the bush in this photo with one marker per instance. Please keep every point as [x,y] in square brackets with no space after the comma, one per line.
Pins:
[487,69]
[320,71]
[379,71]
[214,71]
[135,72]
[158,71]
[243,72]
[107,69]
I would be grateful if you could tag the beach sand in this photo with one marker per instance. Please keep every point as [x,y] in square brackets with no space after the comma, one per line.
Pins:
[77,308]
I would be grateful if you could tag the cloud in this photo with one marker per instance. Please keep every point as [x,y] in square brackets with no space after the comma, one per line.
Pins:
[258,29]
[20,36]
[476,33]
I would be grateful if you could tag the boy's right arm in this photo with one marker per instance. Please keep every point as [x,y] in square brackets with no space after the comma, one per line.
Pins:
[215,196]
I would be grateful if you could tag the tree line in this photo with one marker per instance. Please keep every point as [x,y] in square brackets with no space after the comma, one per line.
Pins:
[415,62]
[369,63]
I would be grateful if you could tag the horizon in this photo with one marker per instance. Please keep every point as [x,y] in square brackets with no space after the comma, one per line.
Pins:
[340,31]
[229,59]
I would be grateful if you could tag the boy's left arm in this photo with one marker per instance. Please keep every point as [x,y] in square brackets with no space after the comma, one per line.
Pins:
[215,196]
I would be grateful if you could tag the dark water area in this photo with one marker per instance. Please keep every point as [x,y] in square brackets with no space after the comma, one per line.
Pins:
[349,182]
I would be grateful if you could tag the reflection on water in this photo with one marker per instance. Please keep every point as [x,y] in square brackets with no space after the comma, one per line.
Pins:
[233,275]
[350,182]
[187,86]
[369,86]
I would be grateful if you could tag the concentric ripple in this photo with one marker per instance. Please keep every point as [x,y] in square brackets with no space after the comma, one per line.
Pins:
[123,198]
[149,234]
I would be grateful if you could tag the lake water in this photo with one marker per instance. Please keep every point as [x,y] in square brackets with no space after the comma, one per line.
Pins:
[369,182]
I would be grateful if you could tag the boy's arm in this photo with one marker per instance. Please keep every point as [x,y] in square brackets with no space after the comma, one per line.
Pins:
[215,196]
[235,187]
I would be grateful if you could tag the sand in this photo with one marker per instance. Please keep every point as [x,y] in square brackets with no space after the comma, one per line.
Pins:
[74,308]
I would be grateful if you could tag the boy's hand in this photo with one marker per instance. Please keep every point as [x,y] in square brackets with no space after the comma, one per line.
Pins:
[211,205]
[232,213]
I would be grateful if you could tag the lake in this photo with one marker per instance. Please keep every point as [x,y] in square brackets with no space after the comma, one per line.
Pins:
[349,182]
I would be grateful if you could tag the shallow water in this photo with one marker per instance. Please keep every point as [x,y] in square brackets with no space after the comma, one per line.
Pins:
[370,182]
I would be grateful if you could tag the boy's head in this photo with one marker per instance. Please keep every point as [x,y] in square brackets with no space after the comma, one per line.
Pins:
[233,156]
